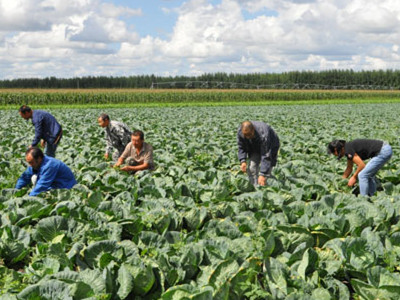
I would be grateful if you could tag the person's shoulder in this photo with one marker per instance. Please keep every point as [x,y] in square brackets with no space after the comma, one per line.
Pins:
[113,125]
[357,142]
[148,146]
[55,163]
[239,131]
[37,113]
[117,123]
[350,145]
[43,112]
[47,162]
[260,124]
[49,159]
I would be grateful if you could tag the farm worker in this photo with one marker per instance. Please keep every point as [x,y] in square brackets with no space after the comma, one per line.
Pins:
[138,153]
[47,130]
[259,144]
[356,152]
[118,135]
[45,173]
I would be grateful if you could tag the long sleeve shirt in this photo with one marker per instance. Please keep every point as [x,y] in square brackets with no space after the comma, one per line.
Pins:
[52,174]
[118,135]
[264,142]
[46,127]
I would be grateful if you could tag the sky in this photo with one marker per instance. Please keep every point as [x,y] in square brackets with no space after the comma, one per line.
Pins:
[76,38]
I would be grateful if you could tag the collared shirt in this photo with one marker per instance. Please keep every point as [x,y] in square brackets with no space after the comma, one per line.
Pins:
[52,174]
[46,127]
[266,142]
[118,135]
[145,155]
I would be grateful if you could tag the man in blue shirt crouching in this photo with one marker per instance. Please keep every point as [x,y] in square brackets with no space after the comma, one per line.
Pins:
[50,173]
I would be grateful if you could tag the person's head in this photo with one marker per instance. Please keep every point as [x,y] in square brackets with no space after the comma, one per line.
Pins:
[247,129]
[137,138]
[25,112]
[336,148]
[34,157]
[103,120]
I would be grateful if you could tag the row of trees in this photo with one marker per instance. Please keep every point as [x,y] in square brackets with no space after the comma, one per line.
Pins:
[331,79]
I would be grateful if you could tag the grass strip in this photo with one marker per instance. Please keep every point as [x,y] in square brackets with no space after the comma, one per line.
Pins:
[212,104]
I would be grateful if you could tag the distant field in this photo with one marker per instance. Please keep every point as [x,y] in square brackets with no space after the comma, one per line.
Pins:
[11,98]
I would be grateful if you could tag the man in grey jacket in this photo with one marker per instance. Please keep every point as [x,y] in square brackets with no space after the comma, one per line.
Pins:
[258,143]
[118,135]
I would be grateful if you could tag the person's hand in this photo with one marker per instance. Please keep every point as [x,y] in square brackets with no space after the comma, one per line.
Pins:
[261,180]
[42,143]
[352,181]
[126,169]
[106,156]
[243,167]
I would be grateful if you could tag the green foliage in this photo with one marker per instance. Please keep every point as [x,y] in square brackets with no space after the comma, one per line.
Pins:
[296,79]
[174,97]
[194,228]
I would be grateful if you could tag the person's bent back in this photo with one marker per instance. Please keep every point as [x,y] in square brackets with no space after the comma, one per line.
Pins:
[50,173]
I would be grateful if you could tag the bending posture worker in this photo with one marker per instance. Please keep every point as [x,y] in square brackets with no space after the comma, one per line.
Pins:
[258,143]
[356,152]
[138,153]
[47,130]
[118,135]
[45,173]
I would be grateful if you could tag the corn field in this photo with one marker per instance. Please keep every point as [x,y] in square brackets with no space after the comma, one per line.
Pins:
[11,97]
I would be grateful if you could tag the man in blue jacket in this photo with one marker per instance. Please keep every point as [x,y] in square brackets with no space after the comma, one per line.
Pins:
[49,173]
[258,143]
[47,130]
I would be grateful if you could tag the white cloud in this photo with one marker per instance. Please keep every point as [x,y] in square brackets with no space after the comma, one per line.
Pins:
[200,29]
[370,16]
[111,11]
[103,30]
[21,15]
[93,37]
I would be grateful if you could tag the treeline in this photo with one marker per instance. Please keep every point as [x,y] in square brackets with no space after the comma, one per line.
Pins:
[379,79]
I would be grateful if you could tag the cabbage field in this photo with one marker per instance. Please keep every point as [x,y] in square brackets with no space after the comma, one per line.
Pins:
[194,228]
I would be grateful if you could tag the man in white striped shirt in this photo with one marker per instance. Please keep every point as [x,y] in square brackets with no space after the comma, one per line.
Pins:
[118,135]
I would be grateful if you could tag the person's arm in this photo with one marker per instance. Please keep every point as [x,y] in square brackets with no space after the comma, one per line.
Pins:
[125,135]
[265,167]
[143,166]
[265,164]
[123,156]
[242,154]
[127,132]
[38,130]
[24,179]
[266,146]
[360,166]
[120,161]
[349,169]
[45,180]
[109,145]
